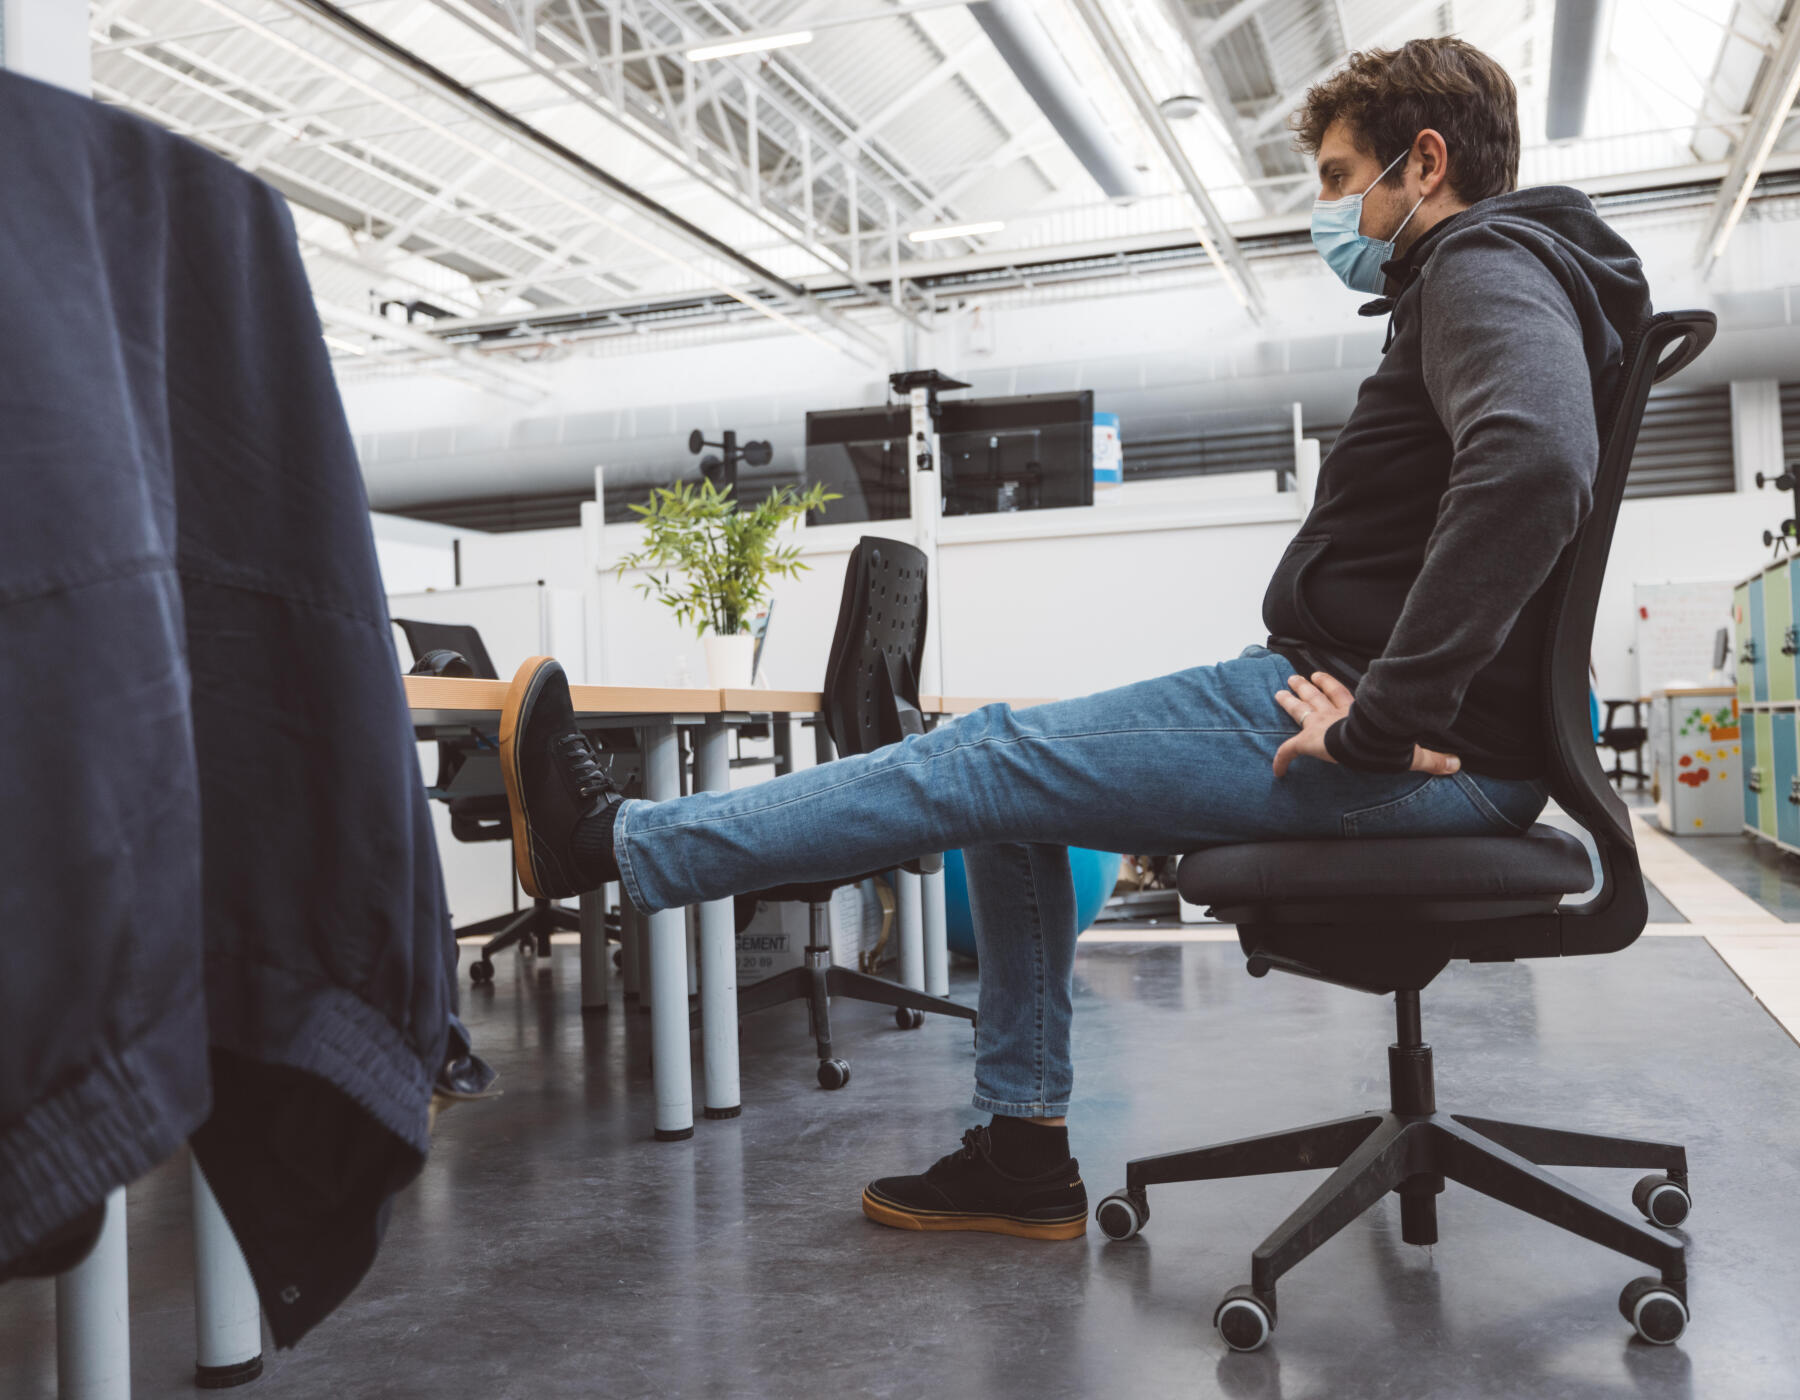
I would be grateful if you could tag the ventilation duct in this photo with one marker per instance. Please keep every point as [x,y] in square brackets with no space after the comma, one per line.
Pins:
[1034,59]
[1577,44]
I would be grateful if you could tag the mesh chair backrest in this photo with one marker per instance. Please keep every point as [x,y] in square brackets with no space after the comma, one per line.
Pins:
[879,646]
[448,636]
[1577,780]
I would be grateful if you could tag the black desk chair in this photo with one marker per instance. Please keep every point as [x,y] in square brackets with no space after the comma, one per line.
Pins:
[871,699]
[1625,739]
[1387,915]
[480,813]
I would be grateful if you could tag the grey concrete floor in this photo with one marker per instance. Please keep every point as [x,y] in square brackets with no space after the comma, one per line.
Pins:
[551,1248]
[1769,876]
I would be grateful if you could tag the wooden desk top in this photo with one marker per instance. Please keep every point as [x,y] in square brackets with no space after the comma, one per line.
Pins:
[456,695]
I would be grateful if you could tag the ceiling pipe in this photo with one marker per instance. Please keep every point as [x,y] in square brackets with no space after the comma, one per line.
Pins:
[1577,44]
[1209,225]
[1778,89]
[1043,72]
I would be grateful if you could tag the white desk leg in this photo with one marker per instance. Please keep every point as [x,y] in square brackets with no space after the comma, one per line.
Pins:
[669,1041]
[596,972]
[227,1313]
[910,899]
[93,1317]
[937,937]
[718,953]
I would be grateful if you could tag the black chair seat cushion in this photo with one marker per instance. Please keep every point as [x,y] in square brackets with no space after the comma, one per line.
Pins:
[1544,861]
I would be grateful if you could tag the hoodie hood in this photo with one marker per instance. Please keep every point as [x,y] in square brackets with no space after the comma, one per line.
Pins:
[1561,227]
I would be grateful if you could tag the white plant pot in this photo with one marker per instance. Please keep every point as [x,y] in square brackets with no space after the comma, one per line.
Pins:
[729,660]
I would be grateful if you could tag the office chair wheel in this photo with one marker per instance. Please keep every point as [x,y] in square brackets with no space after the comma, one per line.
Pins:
[1122,1214]
[1664,1202]
[1244,1320]
[1656,1310]
[834,1074]
[907,1018]
[481,970]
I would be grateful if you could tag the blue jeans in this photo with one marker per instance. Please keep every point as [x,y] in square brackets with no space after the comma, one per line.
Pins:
[1160,767]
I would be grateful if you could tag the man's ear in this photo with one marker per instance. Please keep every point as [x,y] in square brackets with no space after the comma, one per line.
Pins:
[1434,161]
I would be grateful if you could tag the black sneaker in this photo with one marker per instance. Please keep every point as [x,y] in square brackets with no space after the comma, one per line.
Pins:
[553,780]
[967,1191]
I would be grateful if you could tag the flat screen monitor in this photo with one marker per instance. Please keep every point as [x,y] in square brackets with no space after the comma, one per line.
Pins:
[1026,452]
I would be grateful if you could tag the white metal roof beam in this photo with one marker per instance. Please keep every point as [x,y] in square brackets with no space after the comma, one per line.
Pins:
[1781,82]
[1277,112]
[1215,235]
[393,59]
[509,378]
[737,182]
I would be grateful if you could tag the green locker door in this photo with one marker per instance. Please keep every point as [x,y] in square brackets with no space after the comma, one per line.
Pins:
[1740,634]
[1765,773]
[1778,630]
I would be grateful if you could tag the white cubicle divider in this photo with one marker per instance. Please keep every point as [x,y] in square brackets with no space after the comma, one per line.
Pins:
[516,620]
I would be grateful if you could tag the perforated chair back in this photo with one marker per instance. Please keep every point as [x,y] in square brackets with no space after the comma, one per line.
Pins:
[1616,913]
[478,818]
[459,637]
[872,676]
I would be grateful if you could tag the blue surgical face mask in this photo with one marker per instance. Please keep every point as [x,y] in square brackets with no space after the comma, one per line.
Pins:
[1347,250]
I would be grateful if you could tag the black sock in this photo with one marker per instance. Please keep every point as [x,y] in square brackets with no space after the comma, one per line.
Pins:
[592,847]
[1023,1148]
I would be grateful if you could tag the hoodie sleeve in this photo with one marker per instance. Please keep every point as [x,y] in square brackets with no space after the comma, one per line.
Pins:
[1505,368]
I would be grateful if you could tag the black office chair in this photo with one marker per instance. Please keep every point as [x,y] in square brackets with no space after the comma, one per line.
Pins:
[1625,739]
[479,814]
[871,699]
[1386,915]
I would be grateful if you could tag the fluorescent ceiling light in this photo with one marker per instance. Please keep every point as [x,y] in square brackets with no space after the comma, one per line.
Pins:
[928,235]
[752,45]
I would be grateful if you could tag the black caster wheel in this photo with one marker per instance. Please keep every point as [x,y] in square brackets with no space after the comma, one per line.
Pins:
[1655,1310]
[1122,1214]
[481,970]
[1664,1202]
[1244,1320]
[834,1074]
[907,1018]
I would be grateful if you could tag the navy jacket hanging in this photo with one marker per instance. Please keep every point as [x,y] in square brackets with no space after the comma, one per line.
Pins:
[220,904]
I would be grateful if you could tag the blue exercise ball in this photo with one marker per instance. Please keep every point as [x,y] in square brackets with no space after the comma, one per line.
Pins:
[1095,872]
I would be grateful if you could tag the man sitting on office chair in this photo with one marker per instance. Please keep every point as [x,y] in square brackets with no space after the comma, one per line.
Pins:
[1412,589]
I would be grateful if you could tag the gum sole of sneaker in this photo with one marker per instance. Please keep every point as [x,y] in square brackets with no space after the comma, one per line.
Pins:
[883,1214]
[524,686]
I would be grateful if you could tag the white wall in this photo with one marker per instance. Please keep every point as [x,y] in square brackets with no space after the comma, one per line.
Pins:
[414,555]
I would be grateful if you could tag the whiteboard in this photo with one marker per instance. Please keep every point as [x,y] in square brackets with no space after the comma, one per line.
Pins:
[1676,624]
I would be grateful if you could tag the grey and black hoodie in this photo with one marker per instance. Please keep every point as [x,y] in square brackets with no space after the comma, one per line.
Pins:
[1466,467]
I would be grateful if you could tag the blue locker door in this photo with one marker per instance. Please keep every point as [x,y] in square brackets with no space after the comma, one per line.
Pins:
[1747,769]
[1759,650]
[1787,812]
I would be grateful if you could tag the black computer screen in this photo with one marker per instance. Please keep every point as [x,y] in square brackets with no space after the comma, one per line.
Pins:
[1027,452]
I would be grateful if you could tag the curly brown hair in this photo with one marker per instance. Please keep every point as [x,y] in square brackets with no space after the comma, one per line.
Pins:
[1388,96]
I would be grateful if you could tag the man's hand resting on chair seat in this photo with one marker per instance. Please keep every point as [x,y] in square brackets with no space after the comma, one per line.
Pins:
[1318,704]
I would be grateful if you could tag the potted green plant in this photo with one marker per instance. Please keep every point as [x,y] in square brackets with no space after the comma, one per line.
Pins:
[711,561]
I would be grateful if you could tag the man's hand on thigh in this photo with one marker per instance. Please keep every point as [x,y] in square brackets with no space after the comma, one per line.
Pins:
[1317,704]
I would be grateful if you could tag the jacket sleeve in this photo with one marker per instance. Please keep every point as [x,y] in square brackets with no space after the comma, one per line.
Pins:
[1506,370]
